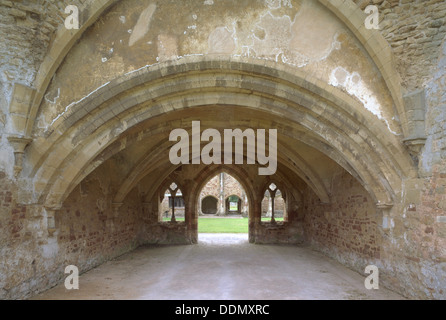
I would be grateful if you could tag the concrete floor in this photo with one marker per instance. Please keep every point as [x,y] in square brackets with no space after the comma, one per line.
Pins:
[223,267]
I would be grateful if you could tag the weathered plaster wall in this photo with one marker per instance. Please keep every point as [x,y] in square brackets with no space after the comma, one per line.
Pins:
[134,34]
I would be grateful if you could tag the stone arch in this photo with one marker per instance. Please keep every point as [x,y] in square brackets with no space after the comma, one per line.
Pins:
[205,175]
[346,10]
[209,205]
[299,165]
[64,40]
[239,203]
[311,105]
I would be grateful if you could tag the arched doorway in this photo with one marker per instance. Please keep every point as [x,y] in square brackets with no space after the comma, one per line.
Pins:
[224,190]
[233,205]
[209,205]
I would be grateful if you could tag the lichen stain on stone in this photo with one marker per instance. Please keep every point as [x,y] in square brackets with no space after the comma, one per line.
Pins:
[167,47]
[143,25]
[221,41]
[354,85]
[52,96]
[277,34]
[313,32]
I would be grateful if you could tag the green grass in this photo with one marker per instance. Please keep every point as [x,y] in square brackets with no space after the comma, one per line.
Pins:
[223,225]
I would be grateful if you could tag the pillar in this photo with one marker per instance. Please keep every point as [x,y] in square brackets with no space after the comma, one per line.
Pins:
[221,210]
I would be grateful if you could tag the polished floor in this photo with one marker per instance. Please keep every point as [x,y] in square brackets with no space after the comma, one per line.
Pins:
[223,267]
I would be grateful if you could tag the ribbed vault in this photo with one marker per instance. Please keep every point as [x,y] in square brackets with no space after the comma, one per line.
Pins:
[146,104]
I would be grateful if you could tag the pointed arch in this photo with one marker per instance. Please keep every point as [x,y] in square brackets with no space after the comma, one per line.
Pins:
[328,120]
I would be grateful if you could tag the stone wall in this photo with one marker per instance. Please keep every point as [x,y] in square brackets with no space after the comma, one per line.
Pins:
[212,188]
[90,230]
[420,234]
[415,29]
[88,233]
[166,233]
[409,252]
[279,233]
[19,237]
[347,229]
[27,30]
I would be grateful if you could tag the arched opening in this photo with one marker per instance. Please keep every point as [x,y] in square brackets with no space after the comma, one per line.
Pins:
[209,205]
[223,205]
[299,124]
[233,205]
[273,204]
[172,204]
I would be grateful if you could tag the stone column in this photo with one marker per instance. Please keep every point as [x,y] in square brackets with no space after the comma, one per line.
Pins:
[221,209]
[173,209]
[273,195]
[270,205]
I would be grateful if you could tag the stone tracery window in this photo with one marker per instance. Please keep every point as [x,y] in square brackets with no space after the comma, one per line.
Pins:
[174,199]
[273,195]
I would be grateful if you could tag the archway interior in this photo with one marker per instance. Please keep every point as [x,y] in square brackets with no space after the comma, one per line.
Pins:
[223,206]
[96,173]
[324,195]
[225,195]
[335,159]
[324,129]
[233,204]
